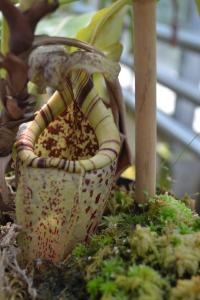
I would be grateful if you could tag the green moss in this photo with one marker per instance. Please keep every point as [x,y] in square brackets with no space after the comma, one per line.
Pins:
[143,244]
[186,289]
[112,266]
[167,242]
[109,288]
[99,241]
[105,284]
[166,212]
[196,224]
[137,254]
[119,296]
[183,258]
[120,201]
[80,250]
[185,229]
[172,253]
[176,241]
[94,286]
[143,283]
[94,263]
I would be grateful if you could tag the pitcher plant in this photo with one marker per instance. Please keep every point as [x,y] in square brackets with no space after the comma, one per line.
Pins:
[67,156]
[74,147]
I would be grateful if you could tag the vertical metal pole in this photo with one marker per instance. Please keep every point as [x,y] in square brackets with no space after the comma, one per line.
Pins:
[145,75]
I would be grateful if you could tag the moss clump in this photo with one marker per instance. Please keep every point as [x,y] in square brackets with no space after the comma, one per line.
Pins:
[80,250]
[104,282]
[143,244]
[165,213]
[143,261]
[120,200]
[117,280]
[180,253]
[142,283]
[186,289]
[137,254]
[173,253]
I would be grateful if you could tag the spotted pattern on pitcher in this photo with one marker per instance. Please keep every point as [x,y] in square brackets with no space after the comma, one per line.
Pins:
[70,136]
[69,212]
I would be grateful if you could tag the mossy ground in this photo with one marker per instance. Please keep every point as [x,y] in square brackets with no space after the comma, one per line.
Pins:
[150,252]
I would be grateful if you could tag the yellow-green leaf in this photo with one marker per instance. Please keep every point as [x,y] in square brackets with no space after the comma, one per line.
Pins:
[104,30]
[4,45]
[198,5]
[62,2]
[113,51]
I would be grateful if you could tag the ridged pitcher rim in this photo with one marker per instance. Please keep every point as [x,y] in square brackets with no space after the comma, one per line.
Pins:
[108,152]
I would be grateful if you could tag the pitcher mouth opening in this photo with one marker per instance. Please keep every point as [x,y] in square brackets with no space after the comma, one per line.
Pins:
[34,150]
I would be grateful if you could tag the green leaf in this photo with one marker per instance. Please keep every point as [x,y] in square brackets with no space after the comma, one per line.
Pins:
[63,25]
[5,37]
[71,25]
[62,2]
[198,5]
[104,30]
[4,45]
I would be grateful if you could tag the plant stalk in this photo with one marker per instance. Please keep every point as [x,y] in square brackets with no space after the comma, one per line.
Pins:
[145,87]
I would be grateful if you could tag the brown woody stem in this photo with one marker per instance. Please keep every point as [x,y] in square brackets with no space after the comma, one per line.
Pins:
[55,40]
